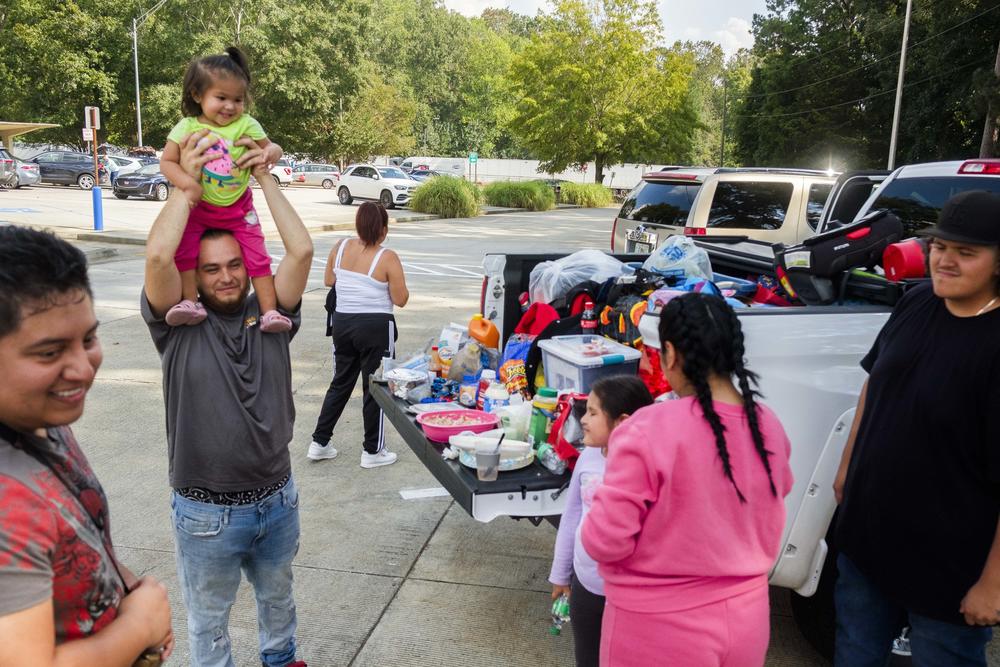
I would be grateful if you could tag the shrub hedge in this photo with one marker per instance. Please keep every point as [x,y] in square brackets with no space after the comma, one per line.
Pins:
[588,195]
[532,195]
[448,197]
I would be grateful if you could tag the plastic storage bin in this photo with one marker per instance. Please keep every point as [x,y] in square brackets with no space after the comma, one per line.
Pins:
[568,368]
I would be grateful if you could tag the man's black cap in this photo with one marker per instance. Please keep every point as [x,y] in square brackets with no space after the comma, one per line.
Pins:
[969,217]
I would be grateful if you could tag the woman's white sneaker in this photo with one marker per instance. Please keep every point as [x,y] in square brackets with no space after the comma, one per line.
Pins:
[318,452]
[383,458]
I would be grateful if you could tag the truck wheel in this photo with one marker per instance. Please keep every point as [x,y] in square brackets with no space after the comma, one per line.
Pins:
[344,195]
[386,199]
[85,181]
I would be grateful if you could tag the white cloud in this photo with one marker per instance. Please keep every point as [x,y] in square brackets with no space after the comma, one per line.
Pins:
[734,36]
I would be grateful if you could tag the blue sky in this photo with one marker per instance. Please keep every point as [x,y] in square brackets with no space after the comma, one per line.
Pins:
[725,22]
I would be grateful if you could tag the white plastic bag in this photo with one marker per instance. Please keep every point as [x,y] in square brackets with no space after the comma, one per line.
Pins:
[678,257]
[552,280]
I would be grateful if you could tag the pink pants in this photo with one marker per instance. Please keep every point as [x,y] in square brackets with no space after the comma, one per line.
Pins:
[731,633]
[241,219]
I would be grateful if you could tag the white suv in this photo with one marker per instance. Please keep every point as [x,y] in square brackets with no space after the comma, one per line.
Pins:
[917,192]
[387,185]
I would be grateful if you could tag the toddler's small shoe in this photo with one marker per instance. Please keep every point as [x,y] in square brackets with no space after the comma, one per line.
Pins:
[274,322]
[187,312]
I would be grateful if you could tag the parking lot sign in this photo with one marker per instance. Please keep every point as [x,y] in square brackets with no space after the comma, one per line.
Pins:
[92,118]
[473,157]
[88,134]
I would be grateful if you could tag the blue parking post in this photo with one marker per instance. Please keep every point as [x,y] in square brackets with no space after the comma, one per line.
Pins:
[98,209]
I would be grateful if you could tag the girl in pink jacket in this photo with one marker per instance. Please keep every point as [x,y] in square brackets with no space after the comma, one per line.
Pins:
[689,519]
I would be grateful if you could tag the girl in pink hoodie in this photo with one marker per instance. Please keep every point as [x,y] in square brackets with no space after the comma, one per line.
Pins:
[689,519]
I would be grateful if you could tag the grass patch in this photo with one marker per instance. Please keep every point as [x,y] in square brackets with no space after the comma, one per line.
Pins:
[448,197]
[588,195]
[532,195]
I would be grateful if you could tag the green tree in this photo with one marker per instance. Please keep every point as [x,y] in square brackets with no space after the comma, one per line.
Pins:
[376,123]
[594,85]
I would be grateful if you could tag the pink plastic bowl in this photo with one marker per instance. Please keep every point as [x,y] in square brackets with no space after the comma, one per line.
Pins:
[439,433]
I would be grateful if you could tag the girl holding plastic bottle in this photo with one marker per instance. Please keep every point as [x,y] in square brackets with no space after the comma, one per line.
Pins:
[688,521]
[574,573]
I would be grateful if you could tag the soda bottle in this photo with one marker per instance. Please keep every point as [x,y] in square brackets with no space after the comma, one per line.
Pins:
[547,457]
[588,318]
[560,614]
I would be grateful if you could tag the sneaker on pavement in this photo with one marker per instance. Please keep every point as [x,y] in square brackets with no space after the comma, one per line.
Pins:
[383,458]
[318,452]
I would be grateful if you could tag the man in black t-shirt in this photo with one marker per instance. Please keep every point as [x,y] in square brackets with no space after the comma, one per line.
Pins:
[919,483]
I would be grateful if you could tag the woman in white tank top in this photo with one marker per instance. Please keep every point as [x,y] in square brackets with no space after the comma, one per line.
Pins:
[369,282]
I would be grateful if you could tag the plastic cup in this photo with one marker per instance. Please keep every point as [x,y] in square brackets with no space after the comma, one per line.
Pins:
[487,466]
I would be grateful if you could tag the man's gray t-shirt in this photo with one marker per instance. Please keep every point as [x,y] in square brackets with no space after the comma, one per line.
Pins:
[228,393]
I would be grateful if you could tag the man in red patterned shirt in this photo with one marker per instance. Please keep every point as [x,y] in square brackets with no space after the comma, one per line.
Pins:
[62,593]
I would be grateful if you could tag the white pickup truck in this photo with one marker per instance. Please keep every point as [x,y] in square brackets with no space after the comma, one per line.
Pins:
[808,360]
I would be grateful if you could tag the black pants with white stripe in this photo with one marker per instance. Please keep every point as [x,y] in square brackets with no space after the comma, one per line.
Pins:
[360,340]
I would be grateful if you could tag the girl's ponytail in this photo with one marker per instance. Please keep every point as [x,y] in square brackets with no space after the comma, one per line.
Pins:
[241,61]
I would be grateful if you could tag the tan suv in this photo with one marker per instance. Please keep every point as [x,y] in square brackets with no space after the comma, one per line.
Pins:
[773,205]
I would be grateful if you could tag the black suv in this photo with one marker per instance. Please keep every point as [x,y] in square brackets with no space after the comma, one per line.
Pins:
[67,168]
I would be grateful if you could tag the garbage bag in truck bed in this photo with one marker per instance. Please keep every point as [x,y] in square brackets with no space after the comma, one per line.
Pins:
[810,270]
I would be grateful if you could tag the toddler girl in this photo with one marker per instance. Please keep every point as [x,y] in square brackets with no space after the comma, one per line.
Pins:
[611,401]
[214,97]
[689,519]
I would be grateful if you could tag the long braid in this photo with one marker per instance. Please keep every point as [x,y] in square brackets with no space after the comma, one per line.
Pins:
[697,350]
[747,379]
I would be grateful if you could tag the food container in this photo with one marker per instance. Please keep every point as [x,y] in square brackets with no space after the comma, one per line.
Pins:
[439,426]
[575,362]
[403,380]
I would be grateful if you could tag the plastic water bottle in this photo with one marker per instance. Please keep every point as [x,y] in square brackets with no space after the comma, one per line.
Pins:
[548,458]
[560,614]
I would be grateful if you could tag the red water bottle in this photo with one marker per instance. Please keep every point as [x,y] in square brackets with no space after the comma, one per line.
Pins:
[588,319]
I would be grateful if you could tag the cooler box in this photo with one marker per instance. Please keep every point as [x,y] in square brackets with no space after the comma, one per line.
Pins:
[567,367]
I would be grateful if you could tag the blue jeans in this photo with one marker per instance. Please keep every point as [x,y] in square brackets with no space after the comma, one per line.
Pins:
[867,622]
[216,542]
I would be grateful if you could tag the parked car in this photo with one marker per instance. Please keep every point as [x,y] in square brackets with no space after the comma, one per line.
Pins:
[425,174]
[27,173]
[326,175]
[282,172]
[773,205]
[147,183]
[916,192]
[127,165]
[386,185]
[68,168]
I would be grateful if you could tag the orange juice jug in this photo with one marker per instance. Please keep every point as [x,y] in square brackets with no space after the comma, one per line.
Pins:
[484,331]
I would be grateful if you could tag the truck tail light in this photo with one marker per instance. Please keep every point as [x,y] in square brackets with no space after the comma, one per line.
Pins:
[614,228]
[980,167]
[695,231]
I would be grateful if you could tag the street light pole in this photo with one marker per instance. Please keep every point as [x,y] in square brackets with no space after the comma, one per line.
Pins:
[899,87]
[135,63]
[136,23]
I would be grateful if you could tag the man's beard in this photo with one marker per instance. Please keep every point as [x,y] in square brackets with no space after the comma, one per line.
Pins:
[226,308]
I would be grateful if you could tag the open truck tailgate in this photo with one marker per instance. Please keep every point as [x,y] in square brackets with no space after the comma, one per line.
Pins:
[533,492]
